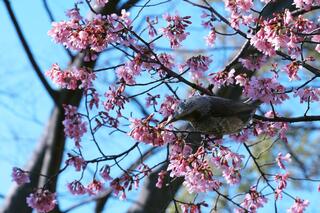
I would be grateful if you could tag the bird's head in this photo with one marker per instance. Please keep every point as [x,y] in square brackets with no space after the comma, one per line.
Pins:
[185,110]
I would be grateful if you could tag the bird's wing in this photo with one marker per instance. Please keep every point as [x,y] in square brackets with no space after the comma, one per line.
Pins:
[221,107]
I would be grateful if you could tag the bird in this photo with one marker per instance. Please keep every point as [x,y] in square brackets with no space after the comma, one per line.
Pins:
[214,115]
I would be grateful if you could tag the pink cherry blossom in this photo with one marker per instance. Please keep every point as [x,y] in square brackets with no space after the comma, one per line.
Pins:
[299,206]
[77,161]
[282,184]
[210,38]
[253,200]
[76,188]
[197,65]
[95,187]
[105,173]
[168,105]
[292,70]
[266,90]
[19,176]
[101,2]
[115,98]
[151,100]
[42,201]
[254,62]
[280,159]
[74,127]
[308,94]
[162,174]
[175,30]
[71,77]
[222,78]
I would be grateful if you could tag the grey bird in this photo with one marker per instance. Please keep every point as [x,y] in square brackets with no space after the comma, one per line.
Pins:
[214,115]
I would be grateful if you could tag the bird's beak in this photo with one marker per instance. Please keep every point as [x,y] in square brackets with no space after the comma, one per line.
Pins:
[171,119]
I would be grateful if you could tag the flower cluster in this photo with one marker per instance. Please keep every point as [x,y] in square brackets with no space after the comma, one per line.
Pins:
[196,171]
[252,201]
[299,206]
[282,32]
[93,35]
[141,130]
[308,94]
[19,176]
[281,179]
[42,201]
[77,161]
[266,90]
[114,98]
[168,105]
[229,162]
[72,78]
[175,30]
[74,127]
[197,65]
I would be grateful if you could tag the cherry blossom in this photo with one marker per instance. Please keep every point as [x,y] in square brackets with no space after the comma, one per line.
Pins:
[175,29]
[42,201]
[168,105]
[76,188]
[19,176]
[105,173]
[299,206]
[95,187]
[74,127]
[282,184]
[308,94]
[253,200]
[197,65]
[266,90]
[161,177]
[71,77]
[280,159]
[77,161]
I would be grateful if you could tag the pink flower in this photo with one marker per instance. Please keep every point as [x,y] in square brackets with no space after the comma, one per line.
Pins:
[105,173]
[101,3]
[94,187]
[73,78]
[168,106]
[74,127]
[253,63]
[292,70]
[114,98]
[197,65]
[308,94]
[266,90]
[142,131]
[162,174]
[76,188]
[151,100]
[190,208]
[194,168]
[253,200]
[280,159]
[222,78]
[77,161]
[42,201]
[175,29]
[282,183]
[20,176]
[210,38]
[299,206]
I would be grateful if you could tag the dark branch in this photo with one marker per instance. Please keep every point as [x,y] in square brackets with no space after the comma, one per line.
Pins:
[52,93]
